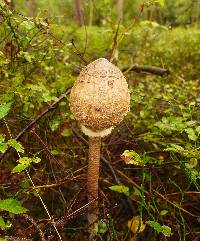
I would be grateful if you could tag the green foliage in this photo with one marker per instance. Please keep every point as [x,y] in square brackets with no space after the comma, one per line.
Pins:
[4,109]
[102,227]
[3,146]
[24,163]
[66,132]
[12,143]
[54,123]
[165,230]
[12,206]
[164,118]
[120,189]
[2,239]
[16,145]
[131,157]
[160,2]
[189,152]
[4,225]
[163,212]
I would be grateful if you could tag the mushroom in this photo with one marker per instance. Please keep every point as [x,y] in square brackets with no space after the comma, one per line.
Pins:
[99,101]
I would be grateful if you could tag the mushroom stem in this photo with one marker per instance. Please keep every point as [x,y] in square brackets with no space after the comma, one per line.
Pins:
[93,178]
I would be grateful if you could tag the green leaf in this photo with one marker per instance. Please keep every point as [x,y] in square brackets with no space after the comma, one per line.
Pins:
[3,147]
[36,159]
[165,230]
[16,145]
[27,56]
[2,138]
[191,134]
[132,157]
[102,227]
[25,160]
[4,109]
[3,239]
[20,168]
[66,132]
[12,205]
[161,2]
[28,25]
[198,130]
[55,152]
[120,189]
[24,163]
[163,212]
[4,225]
[193,162]
[54,123]
[155,225]
[25,184]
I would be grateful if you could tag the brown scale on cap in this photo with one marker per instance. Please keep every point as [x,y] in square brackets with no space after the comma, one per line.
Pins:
[100,97]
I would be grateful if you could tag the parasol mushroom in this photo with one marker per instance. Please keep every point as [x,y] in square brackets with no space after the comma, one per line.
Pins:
[99,101]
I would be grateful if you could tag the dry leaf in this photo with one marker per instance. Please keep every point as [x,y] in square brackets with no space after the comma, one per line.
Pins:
[136,224]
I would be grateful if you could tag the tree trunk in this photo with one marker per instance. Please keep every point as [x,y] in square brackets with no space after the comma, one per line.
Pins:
[31,6]
[78,11]
[91,8]
[198,11]
[10,3]
[120,10]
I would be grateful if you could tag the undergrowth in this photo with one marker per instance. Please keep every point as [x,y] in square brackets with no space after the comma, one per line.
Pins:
[154,153]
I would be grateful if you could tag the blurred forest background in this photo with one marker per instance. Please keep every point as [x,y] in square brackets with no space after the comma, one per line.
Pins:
[150,172]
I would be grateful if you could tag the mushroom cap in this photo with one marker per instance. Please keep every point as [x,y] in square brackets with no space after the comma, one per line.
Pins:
[100,97]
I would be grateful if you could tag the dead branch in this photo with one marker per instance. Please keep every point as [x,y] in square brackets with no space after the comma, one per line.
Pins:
[147,69]
[136,68]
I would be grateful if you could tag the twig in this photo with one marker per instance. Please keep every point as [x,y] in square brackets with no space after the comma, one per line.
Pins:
[114,45]
[78,53]
[59,183]
[65,219]
[12,238]
[147,69]
[136,68]
[185,193]
[36,226]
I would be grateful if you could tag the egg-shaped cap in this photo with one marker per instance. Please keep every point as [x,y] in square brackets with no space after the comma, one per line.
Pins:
[100,97]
